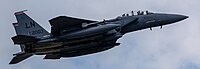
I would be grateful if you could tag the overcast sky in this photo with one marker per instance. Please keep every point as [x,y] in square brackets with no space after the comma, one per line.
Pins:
[175,46]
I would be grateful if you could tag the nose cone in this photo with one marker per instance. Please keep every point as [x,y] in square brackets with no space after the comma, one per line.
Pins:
[175,18]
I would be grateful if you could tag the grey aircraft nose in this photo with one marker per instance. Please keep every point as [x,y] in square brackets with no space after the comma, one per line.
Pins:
[175,18]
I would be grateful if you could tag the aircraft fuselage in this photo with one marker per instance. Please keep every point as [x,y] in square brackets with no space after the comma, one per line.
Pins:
[72,37]
[83,42]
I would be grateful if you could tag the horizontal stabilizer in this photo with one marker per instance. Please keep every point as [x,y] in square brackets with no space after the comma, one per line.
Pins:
[19,58]
[52,57]
[21,39]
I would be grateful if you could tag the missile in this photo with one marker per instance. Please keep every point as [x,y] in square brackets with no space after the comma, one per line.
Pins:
[90,31]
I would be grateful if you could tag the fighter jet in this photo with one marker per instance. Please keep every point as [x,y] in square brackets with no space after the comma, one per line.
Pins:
[71,37]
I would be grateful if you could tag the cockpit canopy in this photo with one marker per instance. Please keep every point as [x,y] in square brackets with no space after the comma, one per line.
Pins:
[132,13]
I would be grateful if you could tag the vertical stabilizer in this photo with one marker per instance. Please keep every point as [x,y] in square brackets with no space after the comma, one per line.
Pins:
[27,26]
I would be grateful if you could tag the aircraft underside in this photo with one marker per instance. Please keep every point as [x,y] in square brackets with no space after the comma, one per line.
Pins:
[72,48]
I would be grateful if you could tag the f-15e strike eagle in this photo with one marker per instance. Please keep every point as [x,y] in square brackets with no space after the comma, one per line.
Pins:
[71,37]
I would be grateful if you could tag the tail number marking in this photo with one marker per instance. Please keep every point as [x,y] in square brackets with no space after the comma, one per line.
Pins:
[35,32]
[30,25]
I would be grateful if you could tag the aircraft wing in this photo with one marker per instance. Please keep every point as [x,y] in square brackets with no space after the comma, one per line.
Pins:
[62,22]
[21,57]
